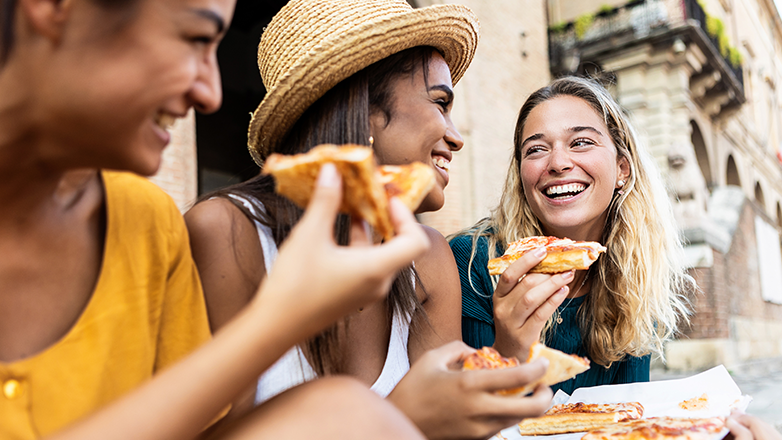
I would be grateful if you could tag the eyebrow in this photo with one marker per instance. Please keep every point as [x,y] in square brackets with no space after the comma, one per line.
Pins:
[576,129]
[443,88]
[211,16]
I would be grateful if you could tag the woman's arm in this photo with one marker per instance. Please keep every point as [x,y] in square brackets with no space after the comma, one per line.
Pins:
[439,293]
[289,308]
[229,257]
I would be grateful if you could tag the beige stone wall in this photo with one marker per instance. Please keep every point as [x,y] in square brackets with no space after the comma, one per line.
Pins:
[177,174]
[510,63]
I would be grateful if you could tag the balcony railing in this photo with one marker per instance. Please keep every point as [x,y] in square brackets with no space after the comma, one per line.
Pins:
[629,23]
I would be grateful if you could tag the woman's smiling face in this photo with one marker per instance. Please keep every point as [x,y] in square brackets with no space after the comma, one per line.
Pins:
[113,90]
[420,127]
[569,168]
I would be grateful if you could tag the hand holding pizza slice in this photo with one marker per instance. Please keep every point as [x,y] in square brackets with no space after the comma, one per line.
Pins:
[563,254]
[366,187]
[561,366]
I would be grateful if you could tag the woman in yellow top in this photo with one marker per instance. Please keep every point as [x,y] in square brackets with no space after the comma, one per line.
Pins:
[98,291]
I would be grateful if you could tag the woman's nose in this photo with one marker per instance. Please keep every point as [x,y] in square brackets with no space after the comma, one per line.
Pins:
[207,91]
[453,138]
[559,160]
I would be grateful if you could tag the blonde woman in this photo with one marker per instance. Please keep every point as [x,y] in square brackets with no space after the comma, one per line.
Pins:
[578,172]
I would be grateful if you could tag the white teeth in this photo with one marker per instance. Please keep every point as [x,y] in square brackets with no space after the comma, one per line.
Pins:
[571,188]
[165,120]
[442,163]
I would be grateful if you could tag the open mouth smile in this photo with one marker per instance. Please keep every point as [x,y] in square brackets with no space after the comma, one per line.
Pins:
[564,191]
[441,163]
[165,120]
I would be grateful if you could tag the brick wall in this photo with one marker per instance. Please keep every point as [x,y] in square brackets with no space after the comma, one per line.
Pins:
[731,287]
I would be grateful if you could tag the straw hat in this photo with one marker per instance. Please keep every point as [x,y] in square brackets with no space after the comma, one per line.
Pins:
[312,45]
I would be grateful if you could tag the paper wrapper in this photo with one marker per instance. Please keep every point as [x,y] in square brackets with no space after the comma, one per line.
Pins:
[659,398]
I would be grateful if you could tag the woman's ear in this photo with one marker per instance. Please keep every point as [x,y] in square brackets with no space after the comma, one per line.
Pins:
[623,171]
[46,17]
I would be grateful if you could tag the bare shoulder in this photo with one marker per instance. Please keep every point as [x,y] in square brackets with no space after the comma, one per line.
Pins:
[440,294]
[229,256]
[437,266]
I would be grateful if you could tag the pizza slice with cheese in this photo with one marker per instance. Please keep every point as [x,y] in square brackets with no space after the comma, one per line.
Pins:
[366,187]
[660,428]
[580,417]
[561,366]
[563,254]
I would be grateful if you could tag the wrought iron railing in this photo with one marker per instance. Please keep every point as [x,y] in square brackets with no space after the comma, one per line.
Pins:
[638,19]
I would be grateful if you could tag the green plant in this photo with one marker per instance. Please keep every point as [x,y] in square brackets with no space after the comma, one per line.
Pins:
[714,26]
[734,57]
[558,27]
[582,23]
[605,9]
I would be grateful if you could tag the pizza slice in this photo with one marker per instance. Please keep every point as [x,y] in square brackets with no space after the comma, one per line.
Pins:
[366,187]
[563,254]
[660,428]
[410,183]
[561,366]
[580,417]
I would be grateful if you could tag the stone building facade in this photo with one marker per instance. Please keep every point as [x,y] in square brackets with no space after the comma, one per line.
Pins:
[699,79]
[702,80]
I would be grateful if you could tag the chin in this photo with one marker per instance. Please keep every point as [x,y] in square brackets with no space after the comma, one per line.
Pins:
[431,203]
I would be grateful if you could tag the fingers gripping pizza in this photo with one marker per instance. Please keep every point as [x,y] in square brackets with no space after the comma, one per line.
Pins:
[563,254]
[561,366]
[580,417]
[366,187]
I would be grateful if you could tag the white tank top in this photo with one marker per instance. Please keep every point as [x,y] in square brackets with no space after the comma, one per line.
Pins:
[293,368]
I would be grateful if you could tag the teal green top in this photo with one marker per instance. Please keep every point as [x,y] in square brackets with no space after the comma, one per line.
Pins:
[478,322]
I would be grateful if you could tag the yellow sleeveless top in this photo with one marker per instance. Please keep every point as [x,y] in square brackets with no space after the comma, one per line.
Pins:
[146,312]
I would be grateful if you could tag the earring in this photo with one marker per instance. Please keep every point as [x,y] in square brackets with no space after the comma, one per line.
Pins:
[371,141]
[620,184]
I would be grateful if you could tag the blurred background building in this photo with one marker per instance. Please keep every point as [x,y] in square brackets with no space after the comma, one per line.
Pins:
[701,80]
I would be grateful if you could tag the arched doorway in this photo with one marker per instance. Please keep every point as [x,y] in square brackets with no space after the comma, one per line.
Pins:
[732,173]
[701,154]
[759,197]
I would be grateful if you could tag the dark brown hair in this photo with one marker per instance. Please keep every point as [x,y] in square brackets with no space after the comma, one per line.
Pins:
[340,116]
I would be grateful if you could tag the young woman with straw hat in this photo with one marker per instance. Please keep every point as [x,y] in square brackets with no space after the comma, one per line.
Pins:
[378,73]
[98,289]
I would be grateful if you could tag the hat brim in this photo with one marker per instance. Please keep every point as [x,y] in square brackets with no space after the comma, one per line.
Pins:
[451,29]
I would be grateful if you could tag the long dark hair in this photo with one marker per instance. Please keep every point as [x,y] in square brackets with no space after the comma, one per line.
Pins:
[340,116]
[7,8]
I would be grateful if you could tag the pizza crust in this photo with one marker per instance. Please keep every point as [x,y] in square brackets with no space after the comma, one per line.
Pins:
[580,417]
[561,366]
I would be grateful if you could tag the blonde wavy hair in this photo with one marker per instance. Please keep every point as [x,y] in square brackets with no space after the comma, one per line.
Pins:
[639,287]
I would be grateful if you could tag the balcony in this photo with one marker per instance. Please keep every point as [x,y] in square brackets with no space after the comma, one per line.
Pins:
[675,24]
